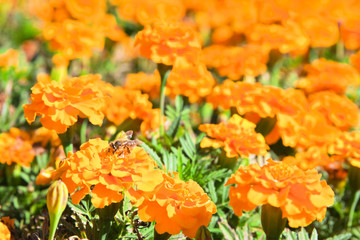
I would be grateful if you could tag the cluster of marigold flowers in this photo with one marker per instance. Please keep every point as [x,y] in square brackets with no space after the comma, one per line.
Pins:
[314,117]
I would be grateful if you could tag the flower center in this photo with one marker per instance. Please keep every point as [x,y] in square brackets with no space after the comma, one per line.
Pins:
[280,171]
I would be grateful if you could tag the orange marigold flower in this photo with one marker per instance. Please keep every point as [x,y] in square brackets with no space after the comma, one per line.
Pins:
[322,31]
[173,204]
[312,157]
[10,223]
[59,104]
[9,58]
[287,38]
[16,147]
[164,42]
[301,195]
[350,33]
[310,129]
[148,83]
[104,173]
[266,101]
[235,62]
[4,232]
[237,136]
[339,110]
[192,80]
[87,11]
[328,75]
[44,136]
[347,145]
[355,60]
[147,12]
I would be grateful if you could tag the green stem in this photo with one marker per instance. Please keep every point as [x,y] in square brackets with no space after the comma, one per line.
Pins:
[164,71]
[67,140]
[354,202]
[54,221]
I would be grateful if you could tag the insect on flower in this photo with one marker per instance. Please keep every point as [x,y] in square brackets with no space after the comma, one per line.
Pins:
[123,145]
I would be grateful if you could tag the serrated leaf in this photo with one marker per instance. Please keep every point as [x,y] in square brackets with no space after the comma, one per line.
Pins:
[303,235]
[173,129]
[153,154]
[212,191]
[227,231]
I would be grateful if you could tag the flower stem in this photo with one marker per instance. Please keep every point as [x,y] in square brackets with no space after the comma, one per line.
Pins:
[67,140]
[164,71]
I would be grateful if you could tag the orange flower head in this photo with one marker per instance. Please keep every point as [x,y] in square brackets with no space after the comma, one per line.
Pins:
[173,204]
[103,170]
[10,223]
[328,75]
[59,104]
[311,158]
[86,11]
[355,60]
[350,33]
[301,195]
[4,232]
[16,147]
[164,42]
[9,58]
[148,12]
[347,146]
[338,110]
[322,31]
[191,80]
[237,136]
[235,62]
[148,83]
[287,38]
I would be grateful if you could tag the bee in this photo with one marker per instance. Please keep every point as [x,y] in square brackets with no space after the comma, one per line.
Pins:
[123,145]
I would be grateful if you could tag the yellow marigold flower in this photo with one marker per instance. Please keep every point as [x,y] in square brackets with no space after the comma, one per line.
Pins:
[328,75]
[173,204]
[103,172]
[9,58]
[16,147]
[339,110]
[192,80]
[237,136]
[287,38]
[147,12]
[301,195]
[148,83]
[164,42]
[4,232]
[235,62]
[59,104]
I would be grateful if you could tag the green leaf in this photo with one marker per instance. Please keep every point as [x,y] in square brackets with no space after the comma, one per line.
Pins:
[314,235]
[212,190]
[303,235]
[153,154]
[227,231]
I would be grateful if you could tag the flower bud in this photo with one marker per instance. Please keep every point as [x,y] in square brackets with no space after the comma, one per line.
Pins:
[203,234]
[272,221]
[57,197]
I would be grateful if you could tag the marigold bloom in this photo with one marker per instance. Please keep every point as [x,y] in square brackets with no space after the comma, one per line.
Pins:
[300,194]
[339,110]
[311,158]
[148,83]
[237,136]
[9,58]
[87,11]
[191,80]
[173,204]
[164,42]
[355,60]
[59,104]
[287,38]
[328,75]
[347,145]
[4,232]
[97,170]
[16,147]
[323,32]
[350,33]
[235,62]
[147,12]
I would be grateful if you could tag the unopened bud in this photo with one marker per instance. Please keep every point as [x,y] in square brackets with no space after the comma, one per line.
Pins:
[57,197]
[203,234]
